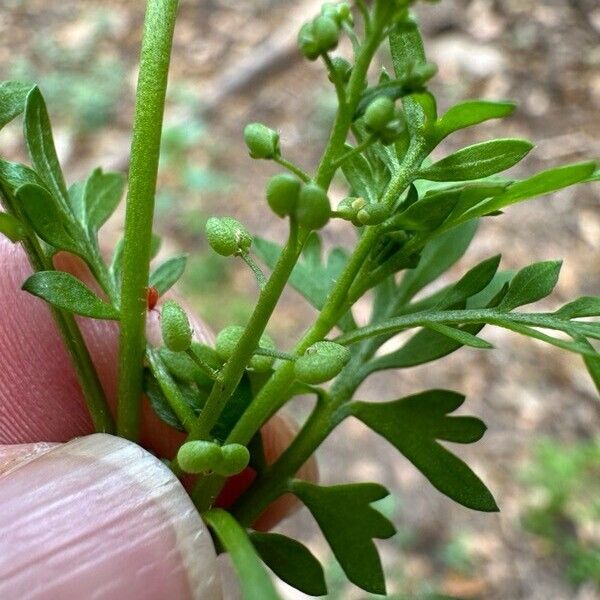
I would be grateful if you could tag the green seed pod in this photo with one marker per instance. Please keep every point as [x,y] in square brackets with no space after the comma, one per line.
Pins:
[379,113]
[282,194]
[228,339]
[235,459]
[200,457]
[175,327]
[262,141]
[227,236]
[183,368]
[307,42]
[343,68]
[373,214]
[394,130]
[321,362]
[314,207]
[207,354]
[327,33]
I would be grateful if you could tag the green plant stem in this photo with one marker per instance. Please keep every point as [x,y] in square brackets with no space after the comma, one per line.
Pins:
[149,108]
[234,368]
[286,164]
[260,276]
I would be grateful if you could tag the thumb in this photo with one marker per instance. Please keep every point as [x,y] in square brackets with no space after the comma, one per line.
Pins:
[99,518]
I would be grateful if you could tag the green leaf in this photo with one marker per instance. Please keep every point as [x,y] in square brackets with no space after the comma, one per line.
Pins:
[531,284]
[469,113]
[438,256]
[12,177]
[234,409]
[65,291]
[312,277]
[12,100]
[473,282]
[359,175]
[253,579]
[479,160]
[349,523]
[168,273]
[462,336]
[47,218]
[101,196]
[414,424]
[291,561]
[586,306]
[542,183]
[40,143]
[592,364]
[12,228]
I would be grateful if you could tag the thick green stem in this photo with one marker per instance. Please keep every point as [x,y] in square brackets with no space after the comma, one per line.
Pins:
[145,149]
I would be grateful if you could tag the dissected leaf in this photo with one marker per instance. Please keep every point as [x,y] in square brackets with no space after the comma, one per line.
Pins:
[254,580]
[471,112]
[12,228]
[168,273]
[415,424]
[349,523]
[65,291]
[47,218]
[479,160]
[12,100]
[40,143]
[291,561]
[531,284]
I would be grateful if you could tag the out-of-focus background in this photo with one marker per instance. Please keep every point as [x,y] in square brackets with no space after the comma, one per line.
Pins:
[235,61]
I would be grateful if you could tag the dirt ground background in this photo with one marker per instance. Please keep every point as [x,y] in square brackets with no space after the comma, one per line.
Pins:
[234,61]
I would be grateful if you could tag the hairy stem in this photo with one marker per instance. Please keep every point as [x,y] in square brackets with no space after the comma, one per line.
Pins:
[149,108]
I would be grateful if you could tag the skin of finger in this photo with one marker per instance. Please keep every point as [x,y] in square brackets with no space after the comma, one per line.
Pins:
[36,369]
[99,517]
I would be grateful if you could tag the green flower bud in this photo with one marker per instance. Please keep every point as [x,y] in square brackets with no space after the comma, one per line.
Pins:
[321,362]
[379,113]
[319,36]
[314,209]
[175,327]
[348,209]
[282,194]
[340,13]
[200,457]
[373,214]
[327,33]
[343,68]
[262,141]
[227,236]
[394,130]
[235,459]
[228,339]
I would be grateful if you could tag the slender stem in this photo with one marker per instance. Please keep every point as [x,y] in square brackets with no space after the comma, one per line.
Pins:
[260,276]
[290,166]
[93,393]
[150,101]
[203,365]
[334,76]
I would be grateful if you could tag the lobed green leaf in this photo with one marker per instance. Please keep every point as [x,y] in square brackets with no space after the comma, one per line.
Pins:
[414,424]
[349,523]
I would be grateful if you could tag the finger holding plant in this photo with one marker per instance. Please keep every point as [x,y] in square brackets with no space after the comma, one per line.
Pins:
[415,218]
